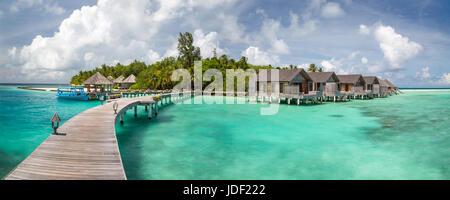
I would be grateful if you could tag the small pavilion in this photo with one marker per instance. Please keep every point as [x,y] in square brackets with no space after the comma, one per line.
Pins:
[98,81]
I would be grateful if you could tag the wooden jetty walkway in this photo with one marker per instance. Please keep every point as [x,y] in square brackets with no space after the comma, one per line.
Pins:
[86,146]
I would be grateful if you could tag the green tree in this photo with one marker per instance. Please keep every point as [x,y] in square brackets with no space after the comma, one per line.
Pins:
[187,51]
[312,68]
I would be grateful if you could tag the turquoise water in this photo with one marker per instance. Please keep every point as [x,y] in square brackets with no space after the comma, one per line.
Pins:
[25,121]
[401,137]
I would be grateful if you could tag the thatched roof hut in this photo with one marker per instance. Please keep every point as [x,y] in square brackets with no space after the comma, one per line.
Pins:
[372,84]
[126,83]
[97,80]
[327,81]
[389,83]
[130,79]
[291,81]
[285,75]
[118,79]
[353,83]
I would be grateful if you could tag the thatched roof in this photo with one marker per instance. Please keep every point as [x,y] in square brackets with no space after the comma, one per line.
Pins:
[130,79]
[371,80]
[286,75]
[352,78]
[383,83]
[97,79]
[118,79]
[322,77]
[389,83]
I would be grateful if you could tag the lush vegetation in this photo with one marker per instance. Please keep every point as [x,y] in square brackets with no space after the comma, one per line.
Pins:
[158,75]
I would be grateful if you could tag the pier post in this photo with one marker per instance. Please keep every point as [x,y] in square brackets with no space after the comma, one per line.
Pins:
[156,108]
[149,112]
[298,102]
[135,111]
[279,100]
[146,109]
[270,99]
[121,119]
[289,101]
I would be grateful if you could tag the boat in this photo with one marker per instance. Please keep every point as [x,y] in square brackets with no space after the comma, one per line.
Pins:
[74,93]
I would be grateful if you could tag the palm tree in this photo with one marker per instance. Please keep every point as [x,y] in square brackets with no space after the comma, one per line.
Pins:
[312,68]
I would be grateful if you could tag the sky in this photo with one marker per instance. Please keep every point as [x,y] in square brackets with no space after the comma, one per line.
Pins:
[405,41]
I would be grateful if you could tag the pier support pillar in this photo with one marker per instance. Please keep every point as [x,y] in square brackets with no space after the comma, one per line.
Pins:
[156,108]
[135,111]
[146,108]
[279,100]
[149,112]
[298,102]
[121,119]
[289,101]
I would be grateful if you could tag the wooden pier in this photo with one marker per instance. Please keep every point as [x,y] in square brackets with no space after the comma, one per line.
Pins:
[86,145]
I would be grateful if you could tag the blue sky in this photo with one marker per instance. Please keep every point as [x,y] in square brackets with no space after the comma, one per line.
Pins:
[405,41]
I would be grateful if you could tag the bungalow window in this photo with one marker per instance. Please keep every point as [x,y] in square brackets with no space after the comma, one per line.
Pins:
[317,86]
[281,88]
[346,87]
[310,86]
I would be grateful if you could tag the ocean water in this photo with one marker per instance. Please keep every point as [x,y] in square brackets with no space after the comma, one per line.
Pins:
[401,137]
[25,121]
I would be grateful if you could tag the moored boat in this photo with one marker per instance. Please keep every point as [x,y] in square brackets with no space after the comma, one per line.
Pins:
[74,93]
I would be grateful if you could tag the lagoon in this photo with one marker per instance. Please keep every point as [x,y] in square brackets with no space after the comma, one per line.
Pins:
[401,137]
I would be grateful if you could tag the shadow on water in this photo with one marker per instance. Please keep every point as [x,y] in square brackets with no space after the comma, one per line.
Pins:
[7,162]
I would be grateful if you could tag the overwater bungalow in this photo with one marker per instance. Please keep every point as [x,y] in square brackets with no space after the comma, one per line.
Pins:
[293,84]
[326,82]
[392,89]
[383,88]
[98,81]
[352,85]
[118,81]
[130,80]
[372,86]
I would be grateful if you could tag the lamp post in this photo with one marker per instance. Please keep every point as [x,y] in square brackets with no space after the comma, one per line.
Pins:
[115,106]
[56,119]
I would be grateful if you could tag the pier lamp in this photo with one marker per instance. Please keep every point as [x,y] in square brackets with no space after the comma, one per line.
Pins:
[115,106]
[56,119]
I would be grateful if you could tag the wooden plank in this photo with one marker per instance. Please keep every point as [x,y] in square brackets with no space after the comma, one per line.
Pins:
[88,150]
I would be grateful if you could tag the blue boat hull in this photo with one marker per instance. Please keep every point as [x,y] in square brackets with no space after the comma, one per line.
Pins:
[79,98]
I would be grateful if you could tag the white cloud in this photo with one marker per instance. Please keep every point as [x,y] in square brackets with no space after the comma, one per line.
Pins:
[280,47]
[334,65]
[99,34]
[304,66]
[396,48]
[445,79]
[207,43]
[424,74]
[363,29]
[364,60]
[48,6]
[353,54]
[259,57]
[332,10]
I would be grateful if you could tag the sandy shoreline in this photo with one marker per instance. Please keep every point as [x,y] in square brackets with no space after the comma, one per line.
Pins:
[424,90]
[39,89]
